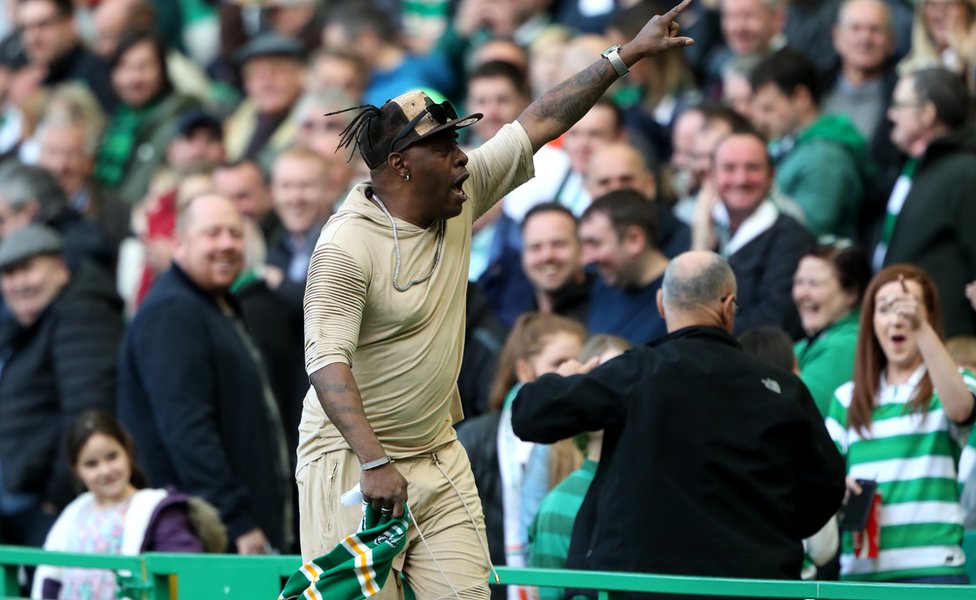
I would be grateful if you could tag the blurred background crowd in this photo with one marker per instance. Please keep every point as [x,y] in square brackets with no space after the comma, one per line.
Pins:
[810,142]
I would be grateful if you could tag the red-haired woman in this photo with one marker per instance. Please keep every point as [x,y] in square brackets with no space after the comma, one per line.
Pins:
[902,422]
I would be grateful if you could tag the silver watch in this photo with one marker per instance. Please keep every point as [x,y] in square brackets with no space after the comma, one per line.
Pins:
[613,55]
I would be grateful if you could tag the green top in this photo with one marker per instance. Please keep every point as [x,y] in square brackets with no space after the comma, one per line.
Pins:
[827,360]
[913,456]
[827,172]
[552,528]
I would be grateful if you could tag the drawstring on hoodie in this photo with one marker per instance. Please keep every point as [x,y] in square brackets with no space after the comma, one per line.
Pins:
[439,247]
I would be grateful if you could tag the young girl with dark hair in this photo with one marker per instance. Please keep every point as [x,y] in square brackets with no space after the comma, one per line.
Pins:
[116,515]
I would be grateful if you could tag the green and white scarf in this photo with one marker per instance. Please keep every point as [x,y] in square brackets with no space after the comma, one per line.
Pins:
[896,201]
[119,143]
[357,567]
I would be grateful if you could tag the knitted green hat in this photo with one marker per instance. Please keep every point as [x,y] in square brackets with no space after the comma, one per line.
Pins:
[357,567]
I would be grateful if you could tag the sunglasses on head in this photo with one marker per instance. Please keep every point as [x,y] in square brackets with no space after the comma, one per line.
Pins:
[441,113]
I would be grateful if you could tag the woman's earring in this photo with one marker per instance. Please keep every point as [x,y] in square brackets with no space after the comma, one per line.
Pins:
[406,177]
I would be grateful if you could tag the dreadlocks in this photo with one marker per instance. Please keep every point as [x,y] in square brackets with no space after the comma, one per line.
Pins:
[357,131]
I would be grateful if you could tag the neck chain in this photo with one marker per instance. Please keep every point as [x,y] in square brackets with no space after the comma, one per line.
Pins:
[396,247]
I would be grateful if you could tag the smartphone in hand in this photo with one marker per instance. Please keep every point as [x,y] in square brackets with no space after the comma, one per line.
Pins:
[854,514]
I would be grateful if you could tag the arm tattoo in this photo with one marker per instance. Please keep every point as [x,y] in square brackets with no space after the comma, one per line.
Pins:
[336,410]
[337,413]
[339,388]
[570,100]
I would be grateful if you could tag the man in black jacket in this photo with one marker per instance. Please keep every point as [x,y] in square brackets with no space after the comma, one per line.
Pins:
[58,358]
[746,221]
[930,211]
[713,463]
[193,389]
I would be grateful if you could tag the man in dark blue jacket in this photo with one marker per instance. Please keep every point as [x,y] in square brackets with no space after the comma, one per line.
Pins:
[193,389]
[713,463]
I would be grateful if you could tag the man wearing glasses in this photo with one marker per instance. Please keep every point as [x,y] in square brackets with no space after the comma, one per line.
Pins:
[384,322]
[930,210]
[51,43]
[714,463]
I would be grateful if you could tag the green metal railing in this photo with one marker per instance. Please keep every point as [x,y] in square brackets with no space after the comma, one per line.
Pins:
[194,576]
[130,569]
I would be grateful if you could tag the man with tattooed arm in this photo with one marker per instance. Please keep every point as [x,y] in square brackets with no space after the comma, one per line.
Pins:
[384,321]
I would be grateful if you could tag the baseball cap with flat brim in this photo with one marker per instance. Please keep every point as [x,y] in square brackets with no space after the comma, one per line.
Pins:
[406,120]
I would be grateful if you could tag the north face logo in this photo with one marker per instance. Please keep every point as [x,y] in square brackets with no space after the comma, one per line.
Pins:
[771,385]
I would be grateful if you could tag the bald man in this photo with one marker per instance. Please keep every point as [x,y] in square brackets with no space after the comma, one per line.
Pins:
[620,166]
[690,421]
[217,433]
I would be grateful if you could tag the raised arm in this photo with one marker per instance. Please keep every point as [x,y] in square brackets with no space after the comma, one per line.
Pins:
[957,399]
[558,109]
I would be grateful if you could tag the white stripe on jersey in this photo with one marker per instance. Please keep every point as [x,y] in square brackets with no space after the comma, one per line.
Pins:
[911,513]
[905,469]
[920,557]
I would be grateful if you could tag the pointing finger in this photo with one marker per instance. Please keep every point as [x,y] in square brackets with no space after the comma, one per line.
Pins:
[677,10]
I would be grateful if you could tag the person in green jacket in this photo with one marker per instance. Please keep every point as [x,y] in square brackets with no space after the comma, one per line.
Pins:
[827,289]
[822,160]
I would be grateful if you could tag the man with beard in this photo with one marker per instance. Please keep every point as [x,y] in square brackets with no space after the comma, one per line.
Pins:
[618,166]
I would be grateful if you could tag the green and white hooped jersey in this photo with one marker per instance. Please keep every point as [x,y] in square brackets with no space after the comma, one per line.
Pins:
[914,457]
[967,463]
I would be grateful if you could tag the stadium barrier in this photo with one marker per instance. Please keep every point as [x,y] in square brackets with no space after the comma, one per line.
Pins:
[155,576]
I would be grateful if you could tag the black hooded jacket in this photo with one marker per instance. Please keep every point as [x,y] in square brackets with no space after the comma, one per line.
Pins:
[713,463]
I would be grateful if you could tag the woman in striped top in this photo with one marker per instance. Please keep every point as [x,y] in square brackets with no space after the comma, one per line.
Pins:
[902,421]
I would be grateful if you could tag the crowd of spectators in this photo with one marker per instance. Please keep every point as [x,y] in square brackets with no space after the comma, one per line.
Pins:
[174,160]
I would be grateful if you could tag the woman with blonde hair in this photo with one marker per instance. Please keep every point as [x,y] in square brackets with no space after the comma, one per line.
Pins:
[942,36]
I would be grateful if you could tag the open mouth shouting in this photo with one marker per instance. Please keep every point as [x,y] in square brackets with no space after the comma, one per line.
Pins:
[457,186]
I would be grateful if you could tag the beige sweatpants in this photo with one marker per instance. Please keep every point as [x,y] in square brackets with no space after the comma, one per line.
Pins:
[455,551]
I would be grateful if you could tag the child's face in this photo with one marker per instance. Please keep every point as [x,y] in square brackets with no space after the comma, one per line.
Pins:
[104,467]
[559,348]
